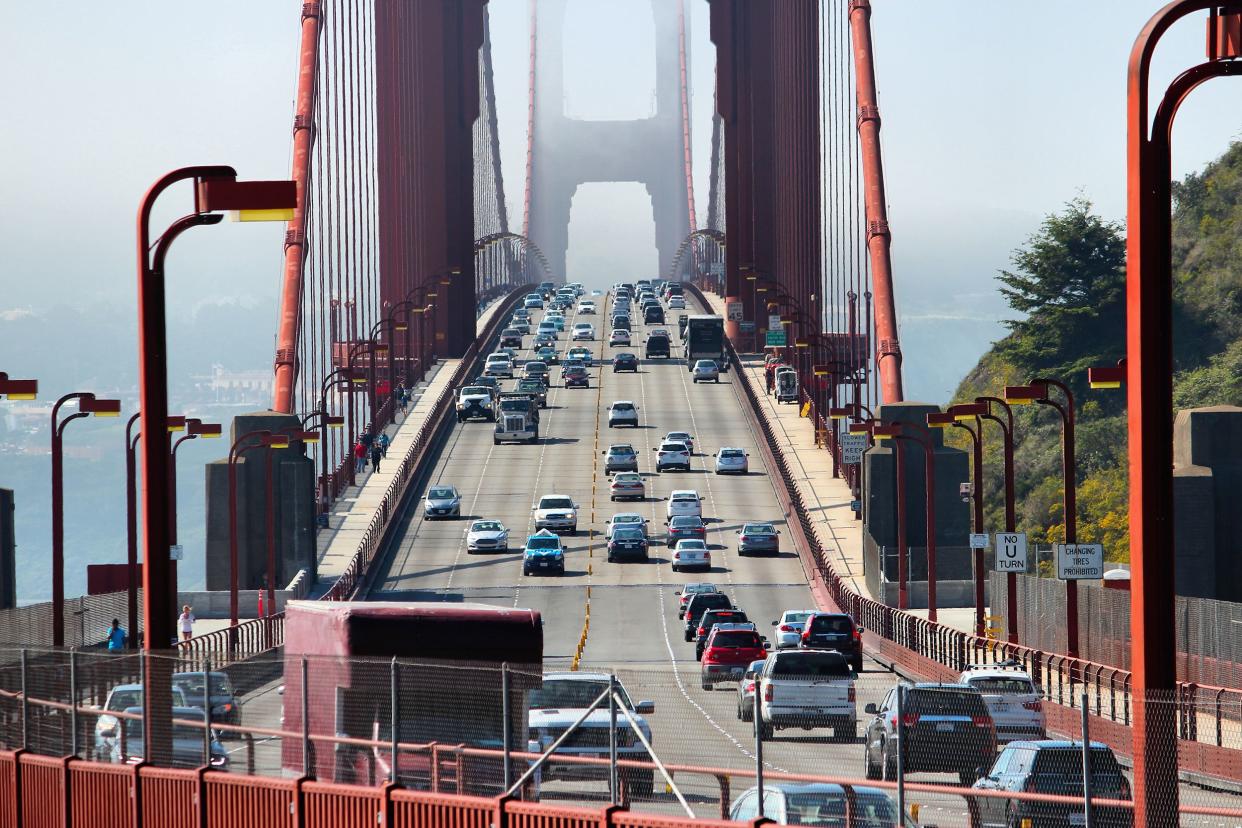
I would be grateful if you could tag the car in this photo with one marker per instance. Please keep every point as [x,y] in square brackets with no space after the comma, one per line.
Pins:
[560,700]
[511,338]
[671,456]
[685,527]
[627,541]
[683,321]
[713,617]
[619,336]
[789,628]
[819,803]
[545,288]
[543,338]
[622,412]
[676,303]
[577,376]
[121,698]
[680,437]
[691,554]
[625,520]
[946,728]
[620,457]
[705,370]
[187,741]
[758,537]
[543,553]
[535,387]
[558,512]
[442,501]
[621,322]
[556,319]
[684,502]
[807,689]
[475,401]
[700,603]
[547,328]
[536,370]
[653,314]
[582,354]
[657,346]
[533,300]
[689,591]
[586,306]
[521,325]
[746,691]
[499,365]
[567,363]
[1012,698]
[584,331]
[521,313]
[625,361]
[225,709]
[732,460]
[834,631]
[487,536]
[727,651]
[1048,766]
[547,355]
[628,486]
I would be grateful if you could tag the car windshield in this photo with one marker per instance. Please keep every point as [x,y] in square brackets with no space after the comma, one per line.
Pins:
[738,638]
[556,503]
[758,529]
[811,664]
[543,543]
[121,699]
[575,371]
[827,810]
[487,526]
[571,693]
[622,407]
[832,624]
[536,368]
[997,684]
[192,684]
[441,493]
[685,522]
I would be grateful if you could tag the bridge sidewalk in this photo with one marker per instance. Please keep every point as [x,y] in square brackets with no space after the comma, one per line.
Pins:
[352,512]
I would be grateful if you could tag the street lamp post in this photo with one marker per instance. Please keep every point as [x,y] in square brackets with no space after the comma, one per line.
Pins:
[1011,508]
[960,416]
[1037,391]
[131,527]
[87,405]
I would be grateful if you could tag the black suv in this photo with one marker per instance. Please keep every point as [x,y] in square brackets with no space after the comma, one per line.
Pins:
[653,315]
[1052,767]
[701,603]
[946,728]
[710,619]
[657,346]
[625,361]
[833,631]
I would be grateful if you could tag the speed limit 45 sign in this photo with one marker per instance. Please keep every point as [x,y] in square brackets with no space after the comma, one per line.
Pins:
[1011,552]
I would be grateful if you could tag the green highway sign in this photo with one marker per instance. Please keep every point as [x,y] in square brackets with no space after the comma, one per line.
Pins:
[776,339]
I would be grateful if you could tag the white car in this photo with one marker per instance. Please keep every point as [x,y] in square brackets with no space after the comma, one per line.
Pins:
[547,327]
[628,520]
[626,485]
[586,307]
[442,501]
[1012,698]
[584,331]
[705,370]
[680,437]
[789,628]
[619,336]
[731,460]
[533,300]
[622,412]
[487,536]
[499,365]
[672,456]
[691,554]
[557,512]
[677,303]
[685,502]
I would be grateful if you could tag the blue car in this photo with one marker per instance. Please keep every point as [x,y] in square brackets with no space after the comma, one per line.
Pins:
[543,553]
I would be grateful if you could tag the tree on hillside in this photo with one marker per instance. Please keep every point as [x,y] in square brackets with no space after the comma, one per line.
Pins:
[1069,281]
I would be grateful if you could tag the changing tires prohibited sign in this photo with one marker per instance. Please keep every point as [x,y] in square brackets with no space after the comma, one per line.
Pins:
[1011,552]
[1080,561]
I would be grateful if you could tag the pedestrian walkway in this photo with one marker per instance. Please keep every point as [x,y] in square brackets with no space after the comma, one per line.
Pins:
[352,512]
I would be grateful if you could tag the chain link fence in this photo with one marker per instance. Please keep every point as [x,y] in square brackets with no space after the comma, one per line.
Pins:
[664,743]
[87,621]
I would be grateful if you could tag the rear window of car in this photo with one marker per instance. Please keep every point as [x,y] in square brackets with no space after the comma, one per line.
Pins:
[929,701]
[628,534]
[832,624]
[757,529]
[628,478]
[709,600]
[728,616]
[811,664]
[543,543]
[1059,771]
[620,449]
[1002,685]
[729,638]
[732,453]
[684,498]
[675,447]
[685,522]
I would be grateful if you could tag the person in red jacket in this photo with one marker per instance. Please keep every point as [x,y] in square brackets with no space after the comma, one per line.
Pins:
[360,458]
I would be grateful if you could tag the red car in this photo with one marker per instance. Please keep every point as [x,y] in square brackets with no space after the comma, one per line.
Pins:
[577,378]
[730,649]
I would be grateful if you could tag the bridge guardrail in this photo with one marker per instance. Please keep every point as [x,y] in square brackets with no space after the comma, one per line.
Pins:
[940,652]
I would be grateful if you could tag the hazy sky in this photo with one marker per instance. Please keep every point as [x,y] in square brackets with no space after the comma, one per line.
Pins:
[995,113]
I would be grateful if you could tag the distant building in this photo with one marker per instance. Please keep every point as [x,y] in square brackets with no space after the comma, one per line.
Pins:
[248,387]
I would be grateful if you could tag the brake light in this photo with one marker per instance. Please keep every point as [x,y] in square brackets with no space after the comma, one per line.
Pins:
[767,692]
[857,635]
[849,695]
[700,630]
[806,634]
[1036,705]
[788,628]
[981,721]
[910,719]
[744,539]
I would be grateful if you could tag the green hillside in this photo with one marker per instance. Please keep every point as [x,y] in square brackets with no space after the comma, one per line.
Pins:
[1067,283]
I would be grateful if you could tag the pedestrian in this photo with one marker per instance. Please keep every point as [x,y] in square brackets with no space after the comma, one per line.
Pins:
[376,454]
[401,396]
[185,622]
[383,443]
[360,458]
[116,637]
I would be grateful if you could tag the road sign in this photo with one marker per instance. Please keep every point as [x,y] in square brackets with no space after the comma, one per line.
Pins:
[176,552]
[852,448]
[717,268]
[733,311]
[979,541]
[1011,552]
[1080,561]
[775,339]
[774,322]
[746,327]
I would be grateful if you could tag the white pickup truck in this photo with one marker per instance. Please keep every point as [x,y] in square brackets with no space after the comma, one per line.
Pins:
[807,689]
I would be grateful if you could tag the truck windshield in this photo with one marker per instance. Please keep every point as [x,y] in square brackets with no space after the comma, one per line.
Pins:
[572,693]
[556,503]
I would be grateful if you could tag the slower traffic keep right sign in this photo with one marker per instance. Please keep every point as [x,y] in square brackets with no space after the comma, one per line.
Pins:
[1011,552]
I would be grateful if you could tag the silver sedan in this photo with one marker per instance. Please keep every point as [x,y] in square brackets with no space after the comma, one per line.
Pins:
[732,460]
[706,370]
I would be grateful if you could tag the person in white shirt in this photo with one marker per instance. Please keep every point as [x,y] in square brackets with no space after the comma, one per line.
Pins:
[185,622]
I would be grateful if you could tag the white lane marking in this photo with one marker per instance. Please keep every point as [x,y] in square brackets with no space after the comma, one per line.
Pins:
[474,502]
